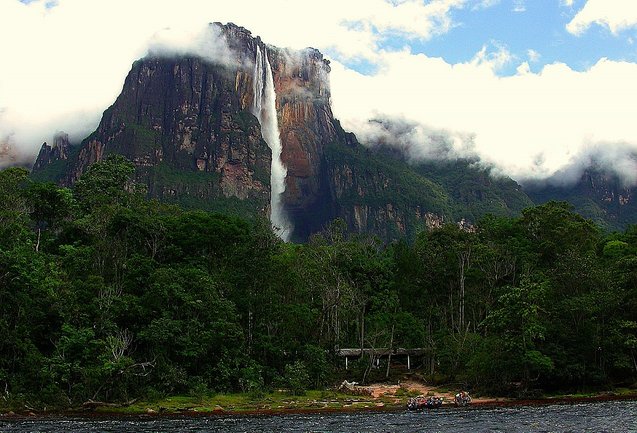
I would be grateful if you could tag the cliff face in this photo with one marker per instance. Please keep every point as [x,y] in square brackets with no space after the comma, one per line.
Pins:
[187,124]
[378,194]
[598,194]
[377,191]
[179,116]
[608,190]
[53,154]
[306,122]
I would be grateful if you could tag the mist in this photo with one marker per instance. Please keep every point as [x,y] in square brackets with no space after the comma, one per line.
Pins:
[420,143]
[417,142]
[208,42]
[65,62]
[528,125]
[615,159]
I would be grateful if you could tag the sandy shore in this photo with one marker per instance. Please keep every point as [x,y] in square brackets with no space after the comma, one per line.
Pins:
[379,390]
[383,390]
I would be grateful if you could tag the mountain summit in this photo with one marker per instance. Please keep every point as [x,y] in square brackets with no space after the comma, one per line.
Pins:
[202,131]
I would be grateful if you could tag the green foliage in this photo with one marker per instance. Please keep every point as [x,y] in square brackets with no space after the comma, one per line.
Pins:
[107,296]
[251,380]
[615,249]
[52,172]
[296,378]
[14,210]
[143,138]
[518,318]
[199,190]
[474,190]
[554,228]
[317,365]
[410,188]
[455,190]
[107,182]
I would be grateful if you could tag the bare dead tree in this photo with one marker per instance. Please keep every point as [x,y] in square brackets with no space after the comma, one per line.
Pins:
[119,343]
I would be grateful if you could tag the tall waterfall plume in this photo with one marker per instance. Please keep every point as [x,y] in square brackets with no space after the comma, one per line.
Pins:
[264,108]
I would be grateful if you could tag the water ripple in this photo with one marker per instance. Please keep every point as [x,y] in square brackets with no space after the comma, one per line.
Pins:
[608,417]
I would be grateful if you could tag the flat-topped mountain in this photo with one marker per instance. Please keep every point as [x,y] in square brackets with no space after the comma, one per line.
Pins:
[199,131]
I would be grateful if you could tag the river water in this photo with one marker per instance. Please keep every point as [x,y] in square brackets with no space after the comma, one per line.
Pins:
[597,417]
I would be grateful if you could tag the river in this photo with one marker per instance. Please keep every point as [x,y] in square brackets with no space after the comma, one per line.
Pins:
[606,417]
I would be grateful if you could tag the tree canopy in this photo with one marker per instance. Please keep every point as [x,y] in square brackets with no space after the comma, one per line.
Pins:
[107,295]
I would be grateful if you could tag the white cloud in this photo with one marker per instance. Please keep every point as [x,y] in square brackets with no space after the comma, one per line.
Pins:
[494,59]
[519,6]
[533,55]
[515,121]
[567,3]
[485,4]
[616,15]
[412,17]
[207,42]
[608,157]
[61,67]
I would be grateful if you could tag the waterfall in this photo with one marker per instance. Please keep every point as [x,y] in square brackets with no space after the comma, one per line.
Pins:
[264,108]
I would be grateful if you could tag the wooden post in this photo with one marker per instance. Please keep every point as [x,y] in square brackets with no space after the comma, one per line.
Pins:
[346,363]
[408,362]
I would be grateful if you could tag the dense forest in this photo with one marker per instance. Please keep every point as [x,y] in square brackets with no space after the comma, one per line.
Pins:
[106,295]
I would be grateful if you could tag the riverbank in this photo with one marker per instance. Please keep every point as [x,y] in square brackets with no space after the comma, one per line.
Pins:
[610,417]
[376,397]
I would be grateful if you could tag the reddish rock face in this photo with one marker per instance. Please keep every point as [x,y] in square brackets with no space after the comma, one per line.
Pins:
[186,124]
[306,122]
[179,116]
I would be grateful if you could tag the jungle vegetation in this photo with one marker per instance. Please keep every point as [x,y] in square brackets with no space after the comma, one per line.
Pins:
[107,295]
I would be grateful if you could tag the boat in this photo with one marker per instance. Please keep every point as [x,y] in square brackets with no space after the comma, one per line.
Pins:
[422,402]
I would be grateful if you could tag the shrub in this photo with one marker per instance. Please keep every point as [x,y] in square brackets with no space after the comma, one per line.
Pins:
[296,378]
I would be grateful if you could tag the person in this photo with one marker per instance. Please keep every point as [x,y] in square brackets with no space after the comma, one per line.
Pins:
[462,398]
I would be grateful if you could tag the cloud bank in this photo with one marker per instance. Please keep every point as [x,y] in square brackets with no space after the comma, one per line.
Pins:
[616,158]
[528,124]
[207,42]
[417,142]
[616,15]
[65,63]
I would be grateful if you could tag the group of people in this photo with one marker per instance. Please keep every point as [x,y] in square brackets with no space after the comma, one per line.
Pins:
[460,399]
[421,401]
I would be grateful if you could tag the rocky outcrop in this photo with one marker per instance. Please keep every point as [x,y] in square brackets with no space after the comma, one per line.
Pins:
[607,189]
[182,123]
[599,194]
[58,151]
[378,195]
[306,122]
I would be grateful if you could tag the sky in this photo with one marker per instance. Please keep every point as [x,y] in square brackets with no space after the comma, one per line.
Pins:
[531,87]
